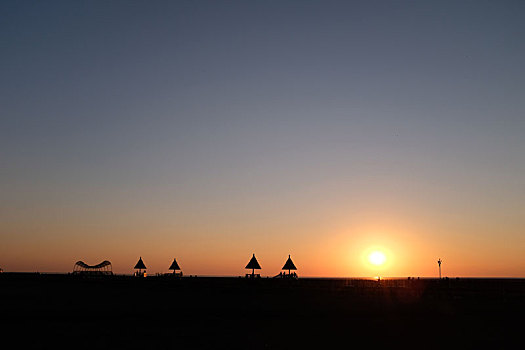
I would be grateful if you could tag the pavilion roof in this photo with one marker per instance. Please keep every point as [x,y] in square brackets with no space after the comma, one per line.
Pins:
[253,264]
[140,264]
[289,265]
[174,266]
[98,266]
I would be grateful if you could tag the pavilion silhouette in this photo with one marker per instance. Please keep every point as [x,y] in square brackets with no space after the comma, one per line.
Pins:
[102,269]
[140,266]
[174,267]
[253,265]
[289,265]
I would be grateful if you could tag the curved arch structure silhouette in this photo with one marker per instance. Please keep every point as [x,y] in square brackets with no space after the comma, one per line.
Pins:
[104,268]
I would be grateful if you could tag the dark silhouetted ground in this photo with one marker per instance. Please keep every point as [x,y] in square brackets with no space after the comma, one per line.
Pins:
[65,311]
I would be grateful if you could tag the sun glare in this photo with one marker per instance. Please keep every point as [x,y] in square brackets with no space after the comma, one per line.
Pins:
[377,258]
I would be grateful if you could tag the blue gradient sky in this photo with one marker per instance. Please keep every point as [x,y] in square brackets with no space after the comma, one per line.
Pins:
[210,130]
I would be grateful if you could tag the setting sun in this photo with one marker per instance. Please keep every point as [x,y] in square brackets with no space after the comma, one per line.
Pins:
[377,258]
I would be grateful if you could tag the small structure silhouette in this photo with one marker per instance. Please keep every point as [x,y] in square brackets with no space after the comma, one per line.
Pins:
[102,269]
[439,264]
[174,266]
[289,265]
[253,265]
[140,266]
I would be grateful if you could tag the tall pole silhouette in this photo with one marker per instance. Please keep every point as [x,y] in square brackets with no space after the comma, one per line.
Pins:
[439,264]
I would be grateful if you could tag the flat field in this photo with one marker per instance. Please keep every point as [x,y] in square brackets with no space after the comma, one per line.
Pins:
[66,311]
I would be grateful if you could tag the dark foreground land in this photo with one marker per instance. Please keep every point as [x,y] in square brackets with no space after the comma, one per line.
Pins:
[65,311]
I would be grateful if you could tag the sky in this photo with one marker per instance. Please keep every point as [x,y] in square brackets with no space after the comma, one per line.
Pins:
[212,130]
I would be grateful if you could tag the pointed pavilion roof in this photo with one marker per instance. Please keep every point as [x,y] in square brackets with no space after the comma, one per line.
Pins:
[253,264]
[174,266]
[289,265]
[140,264]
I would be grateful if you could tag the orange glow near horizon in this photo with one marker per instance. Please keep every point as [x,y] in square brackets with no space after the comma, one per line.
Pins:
[321,249]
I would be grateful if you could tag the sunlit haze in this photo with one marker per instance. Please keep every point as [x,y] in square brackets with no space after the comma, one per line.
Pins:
[377,258]
[361,138]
